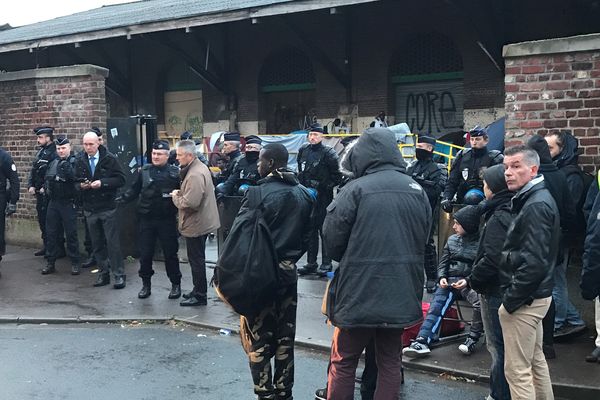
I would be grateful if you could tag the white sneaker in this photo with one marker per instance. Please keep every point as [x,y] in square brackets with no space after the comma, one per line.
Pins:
[416,349]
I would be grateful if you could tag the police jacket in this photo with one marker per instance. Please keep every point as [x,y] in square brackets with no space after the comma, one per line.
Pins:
[531,247]
[431,176]
[245,172]
[485,274]
[318,168]
[467,171]
[8,172]
[376,228]
[173,158]
[60,179]
[108,171]
[42,159]
[286,207]
[458,256]
[153,186]
[590,273]
[234,159]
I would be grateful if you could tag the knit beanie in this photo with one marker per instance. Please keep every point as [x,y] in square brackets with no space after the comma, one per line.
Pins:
[539,144]
[468,217]
[494,177]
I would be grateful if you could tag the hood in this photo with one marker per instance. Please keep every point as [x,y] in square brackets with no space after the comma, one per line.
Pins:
[375,150]
[283,175]
[569,154]
[539,144]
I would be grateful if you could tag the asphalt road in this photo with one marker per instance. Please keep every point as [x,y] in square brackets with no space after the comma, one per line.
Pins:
[147,362]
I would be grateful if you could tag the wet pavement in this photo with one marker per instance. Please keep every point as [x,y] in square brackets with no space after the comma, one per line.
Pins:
[26,296]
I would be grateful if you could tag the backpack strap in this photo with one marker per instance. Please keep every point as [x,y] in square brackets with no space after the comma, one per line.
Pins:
[254,197]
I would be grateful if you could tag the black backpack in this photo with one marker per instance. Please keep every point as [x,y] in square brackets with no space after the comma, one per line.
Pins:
[247,273]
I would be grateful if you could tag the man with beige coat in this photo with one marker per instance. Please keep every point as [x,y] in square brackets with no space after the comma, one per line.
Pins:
[198,216]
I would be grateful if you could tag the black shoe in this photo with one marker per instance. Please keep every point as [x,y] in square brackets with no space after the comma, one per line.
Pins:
[324,269]
[188,295]
[90,262]
[119,282]
[175,292]
[309,268]
[321,394]
[48,269]
[568,330]
[193,301]
[75,269]
[594,356]
[102,280]
[145,292]
[41,252]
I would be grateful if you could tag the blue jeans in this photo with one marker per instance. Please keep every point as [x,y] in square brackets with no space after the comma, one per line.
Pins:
[566,313]
[499,389]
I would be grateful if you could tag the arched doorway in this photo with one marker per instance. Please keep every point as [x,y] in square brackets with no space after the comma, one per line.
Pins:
[287,86]
[427,78]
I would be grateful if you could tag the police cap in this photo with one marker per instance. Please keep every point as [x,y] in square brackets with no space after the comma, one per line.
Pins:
[61,140]
[186,135]
[253,139]
[44,130]
[477,131]
[316,127]
[231,137]
[427,139]
[160,145]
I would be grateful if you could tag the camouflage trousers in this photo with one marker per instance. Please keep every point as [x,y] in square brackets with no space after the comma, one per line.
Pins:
[269,335]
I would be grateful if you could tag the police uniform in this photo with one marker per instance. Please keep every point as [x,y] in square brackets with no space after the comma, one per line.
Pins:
[234,158]
[318,169]
[432,177]
[44,156]
[245,172]
[61,212]
[157,220]
[173,154]
[467,170]
[9,193]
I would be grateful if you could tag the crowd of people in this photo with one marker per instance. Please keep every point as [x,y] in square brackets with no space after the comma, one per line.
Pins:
[518,217]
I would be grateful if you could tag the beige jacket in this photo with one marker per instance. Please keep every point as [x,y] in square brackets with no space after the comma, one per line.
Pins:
[196,202]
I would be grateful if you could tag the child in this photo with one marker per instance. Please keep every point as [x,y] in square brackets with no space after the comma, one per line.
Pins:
[455,265]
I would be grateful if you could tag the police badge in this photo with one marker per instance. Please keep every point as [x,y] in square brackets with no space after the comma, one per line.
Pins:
[465,173]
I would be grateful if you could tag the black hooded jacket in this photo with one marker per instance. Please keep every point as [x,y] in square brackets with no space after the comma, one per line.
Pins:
[531,247]
[377,228]
[566,161]
[590,273]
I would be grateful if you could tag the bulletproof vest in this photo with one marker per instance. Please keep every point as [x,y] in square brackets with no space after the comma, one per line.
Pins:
[40,164]
[471,169]
[59,179]
[157,184]
[311,171]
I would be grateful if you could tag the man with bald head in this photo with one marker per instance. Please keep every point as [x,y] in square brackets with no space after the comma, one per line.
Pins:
[100,175]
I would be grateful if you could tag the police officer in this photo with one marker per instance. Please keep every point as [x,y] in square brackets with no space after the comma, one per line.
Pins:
[173,155]
[9,194]
[46,153]
[432,177]
[62,211]
[318,169]
[245,173]
[158,219]
[231,148]
[466,174]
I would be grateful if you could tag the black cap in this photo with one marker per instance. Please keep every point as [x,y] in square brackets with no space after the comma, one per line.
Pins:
[478,131]
[253,139]
[44,130]
[160,145]
[427,139]
[186,135]
[468,217]
[61,140]
[231,137]
[96,130]
[494,177]
[316,127]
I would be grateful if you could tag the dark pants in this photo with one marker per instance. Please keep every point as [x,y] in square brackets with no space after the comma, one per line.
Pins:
[196,255]
[269,335]
[165,230]
[41,206]
[442,301]
[3,203]
[87,242]
[431,261]
[347,347]
[499,389]
[313,244]
[104,231]
[61,214]
[548,325]
[369,375]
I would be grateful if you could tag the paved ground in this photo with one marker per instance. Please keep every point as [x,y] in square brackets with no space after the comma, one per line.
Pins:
[26,295]
[157,362]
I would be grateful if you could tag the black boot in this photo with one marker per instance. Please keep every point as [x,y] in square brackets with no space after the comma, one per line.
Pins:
[90,262]
[175,292]
[48,269]
[102,280]
[324,269]
[309,268]
[146,289]
[75,269]
[120,282]
[41,252]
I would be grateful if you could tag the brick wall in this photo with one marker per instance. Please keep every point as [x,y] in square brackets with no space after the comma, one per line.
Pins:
[550,92]
[71,99]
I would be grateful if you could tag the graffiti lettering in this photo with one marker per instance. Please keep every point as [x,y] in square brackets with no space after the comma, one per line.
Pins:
[432,112]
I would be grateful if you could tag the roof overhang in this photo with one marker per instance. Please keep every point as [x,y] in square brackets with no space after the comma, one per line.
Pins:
[182,23]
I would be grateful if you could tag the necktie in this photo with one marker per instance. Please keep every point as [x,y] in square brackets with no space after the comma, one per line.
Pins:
[92,164]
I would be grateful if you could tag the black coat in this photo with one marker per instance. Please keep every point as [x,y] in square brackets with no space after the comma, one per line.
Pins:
[8,173]
[458,256]
[431,176]
[153,185]
[590,273]
[108,171]
[42,160]
[376,228]
[245,172]
[318,168]
[531,247]
[485,274]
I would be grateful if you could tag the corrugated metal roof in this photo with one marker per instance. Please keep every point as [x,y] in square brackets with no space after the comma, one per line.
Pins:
[126,14]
